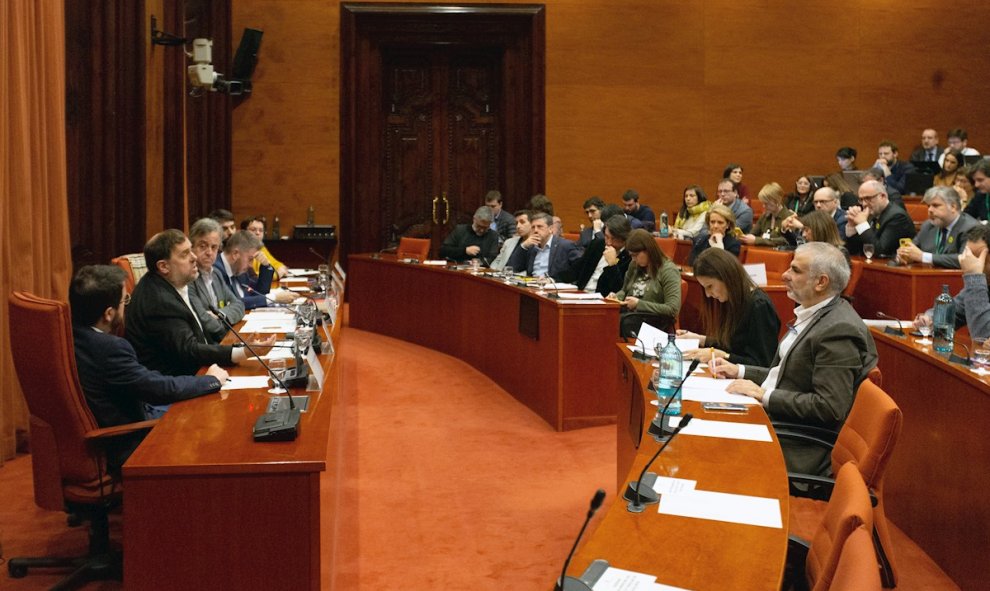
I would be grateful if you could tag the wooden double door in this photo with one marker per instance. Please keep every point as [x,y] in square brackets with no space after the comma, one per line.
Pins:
[438,108]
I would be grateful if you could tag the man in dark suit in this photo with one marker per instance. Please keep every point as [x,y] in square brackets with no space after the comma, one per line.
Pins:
[894,171]
[928,151]
[635,209]
[232,265]
[116,385]
[825,199]
[603,254]
[876,221]
[161,323]
[474,240]
[943,236]
[503,222]
[543,254]
[593,207]
[821,361]
[210,291]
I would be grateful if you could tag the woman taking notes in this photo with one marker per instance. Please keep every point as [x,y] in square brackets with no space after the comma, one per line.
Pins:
[738,318]
[653,282]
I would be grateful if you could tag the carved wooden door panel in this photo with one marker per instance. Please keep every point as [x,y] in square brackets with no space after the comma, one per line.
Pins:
[441,138]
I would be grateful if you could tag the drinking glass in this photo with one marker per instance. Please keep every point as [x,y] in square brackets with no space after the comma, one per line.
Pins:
[542,283]
[926,331]
[981,358]
[303,339]
[475,266]
[507,274]
[307,312]
[868,250]
[323,277]
[278,368]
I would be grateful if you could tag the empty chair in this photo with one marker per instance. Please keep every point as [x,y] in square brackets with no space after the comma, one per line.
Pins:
[413,248]
[856,272]
[776,261]
[135,267]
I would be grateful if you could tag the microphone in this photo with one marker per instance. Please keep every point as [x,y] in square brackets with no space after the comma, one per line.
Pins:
[660,431]
[565,583]
[635,493]
[900,328]
[642,356]
[319,256]
[277,425]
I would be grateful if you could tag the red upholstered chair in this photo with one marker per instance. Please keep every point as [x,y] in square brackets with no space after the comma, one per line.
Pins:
[668,246]
[66,443]
[777,261]
[866,441]
[413,248]
[848,510]
[857,272]
[135,267]
[857,569]
[572,236]
[917,211]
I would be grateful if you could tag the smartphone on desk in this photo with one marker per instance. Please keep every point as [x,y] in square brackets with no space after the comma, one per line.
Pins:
[724,407]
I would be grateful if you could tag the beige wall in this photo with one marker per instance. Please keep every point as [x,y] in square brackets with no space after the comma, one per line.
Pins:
[650,94]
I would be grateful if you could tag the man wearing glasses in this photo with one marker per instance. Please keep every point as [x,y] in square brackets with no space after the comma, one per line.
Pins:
[729,197]
[876,221]
[825,199]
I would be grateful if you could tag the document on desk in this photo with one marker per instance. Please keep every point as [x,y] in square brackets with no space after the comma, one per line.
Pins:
[581,296]
[724,429]
[618,579]
[269,324]
[245,382]
[716,506]
[672,486]
[701,389]
[302,272]
[281,350]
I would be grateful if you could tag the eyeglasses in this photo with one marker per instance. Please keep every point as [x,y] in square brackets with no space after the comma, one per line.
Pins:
[869,197]
[126,299]
[817,201]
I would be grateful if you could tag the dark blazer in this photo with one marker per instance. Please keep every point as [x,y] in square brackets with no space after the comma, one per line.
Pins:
[919,154]
[979,207]
[955,241]
[116,385]
[884,233]
[165,333]
[898,175]
[506,224]
[646,215]
[227,301]
[612,278]
[817,382]
[455,245]
[564,255]
[587,235]
[588,262]
[730,242]
[262,284]
[754,341]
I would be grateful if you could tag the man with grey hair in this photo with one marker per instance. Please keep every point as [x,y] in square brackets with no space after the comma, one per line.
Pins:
[474,240]
[877,221]
[233,264]
[209,291]
[943,236]
[825,199]
[821,361]
[543,254]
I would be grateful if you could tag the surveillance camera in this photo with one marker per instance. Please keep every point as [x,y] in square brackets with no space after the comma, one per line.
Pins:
[202,51]
[201,76]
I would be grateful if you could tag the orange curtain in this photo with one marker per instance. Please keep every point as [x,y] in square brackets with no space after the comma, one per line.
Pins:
[34,225]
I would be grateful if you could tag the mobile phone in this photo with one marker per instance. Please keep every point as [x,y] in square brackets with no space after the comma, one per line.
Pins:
[724,407]
[905,242]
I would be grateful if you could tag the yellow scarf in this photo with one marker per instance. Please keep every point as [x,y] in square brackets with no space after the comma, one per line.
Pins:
[692,211]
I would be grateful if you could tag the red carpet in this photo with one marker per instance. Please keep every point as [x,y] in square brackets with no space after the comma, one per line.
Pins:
[447,482]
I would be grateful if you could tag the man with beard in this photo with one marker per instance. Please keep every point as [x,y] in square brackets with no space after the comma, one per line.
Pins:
[116,385]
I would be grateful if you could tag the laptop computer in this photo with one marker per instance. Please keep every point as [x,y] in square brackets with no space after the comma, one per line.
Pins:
[926,167]
[916,183]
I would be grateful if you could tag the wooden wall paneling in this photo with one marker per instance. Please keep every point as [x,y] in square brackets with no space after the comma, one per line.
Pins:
[159,155]
[105,127]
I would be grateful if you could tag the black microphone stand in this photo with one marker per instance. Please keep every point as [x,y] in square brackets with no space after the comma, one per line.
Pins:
[641,490]
[566,583]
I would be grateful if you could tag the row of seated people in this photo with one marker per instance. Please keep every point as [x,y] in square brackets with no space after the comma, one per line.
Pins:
[131,365]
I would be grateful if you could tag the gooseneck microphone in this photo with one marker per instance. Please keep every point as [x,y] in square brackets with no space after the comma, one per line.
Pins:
[900,328]
[319,256]
[281,424]
[640,491]
[565,583]
[664,427]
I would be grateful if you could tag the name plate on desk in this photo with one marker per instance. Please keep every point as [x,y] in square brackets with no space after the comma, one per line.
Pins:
[315,371]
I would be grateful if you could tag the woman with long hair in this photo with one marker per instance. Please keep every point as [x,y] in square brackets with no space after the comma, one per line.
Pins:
[950,169]
[691,218]
[768,230]
[739,321]
[653,282]
[720,232]
[800,201]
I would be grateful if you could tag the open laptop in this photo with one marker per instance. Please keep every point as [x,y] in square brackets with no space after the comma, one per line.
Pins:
[926,167]
[916,183]
[854,178]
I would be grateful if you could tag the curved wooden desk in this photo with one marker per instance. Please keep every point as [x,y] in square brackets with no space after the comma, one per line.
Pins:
[691,553]
[936,484]
[205,507]
[547,354]
[902,292]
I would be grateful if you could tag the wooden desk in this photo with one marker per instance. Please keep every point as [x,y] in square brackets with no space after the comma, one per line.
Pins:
[936,483]
[480,320]
[690,553]
[205,507]
[902,292]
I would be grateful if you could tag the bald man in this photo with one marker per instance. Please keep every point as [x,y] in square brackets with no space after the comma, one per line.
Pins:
[877,221]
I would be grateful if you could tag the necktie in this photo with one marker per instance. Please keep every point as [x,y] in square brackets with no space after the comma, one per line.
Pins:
[931,156]
[942,236]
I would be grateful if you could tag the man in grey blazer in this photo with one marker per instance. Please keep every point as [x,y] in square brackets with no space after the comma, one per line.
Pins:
[824,356]
[943,236]
[209,291]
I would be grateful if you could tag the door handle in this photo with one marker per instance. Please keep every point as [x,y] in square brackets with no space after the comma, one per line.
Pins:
[446,207]
[435,199]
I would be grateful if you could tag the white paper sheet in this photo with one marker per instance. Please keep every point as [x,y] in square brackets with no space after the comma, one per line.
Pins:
[724,429]
[291,279]
[618,579]
[716,506]
[758,273]
[907,324]
[303,272]
[245,382]
[436,263]
[580,296]
[672,486]
[269,325]
[712,396]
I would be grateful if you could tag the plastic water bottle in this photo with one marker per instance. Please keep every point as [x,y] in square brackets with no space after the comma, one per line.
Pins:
[664,227]
[671,374]
[944,319]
